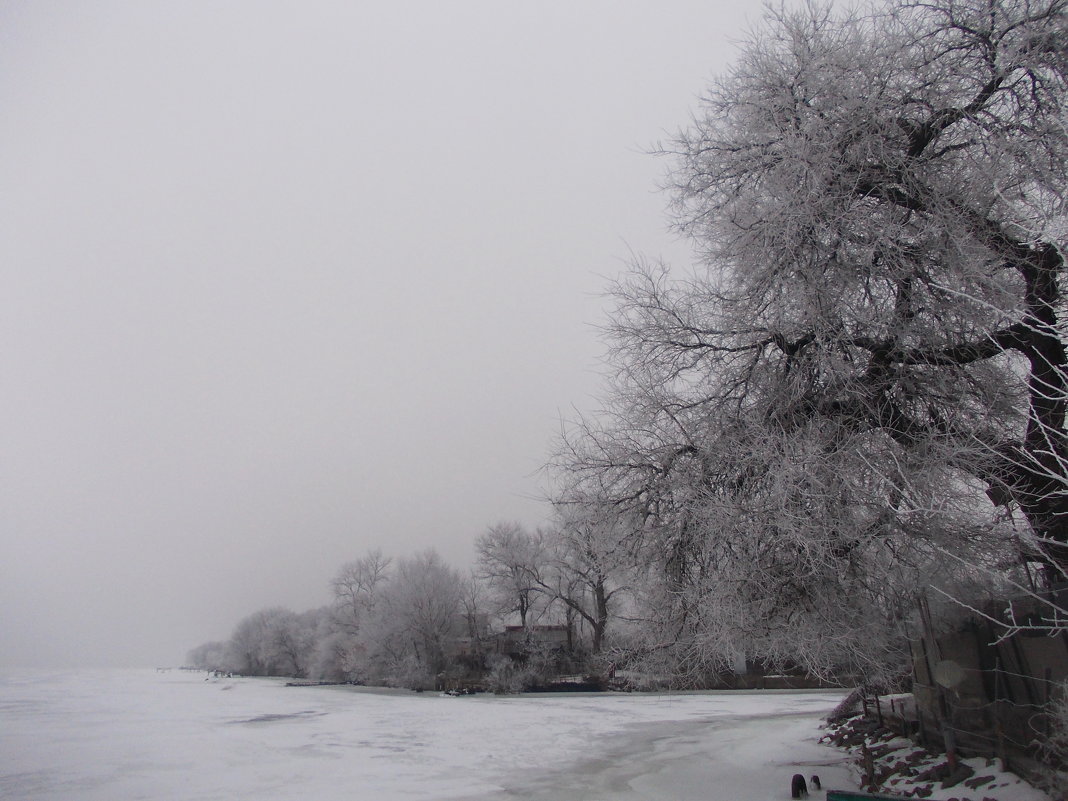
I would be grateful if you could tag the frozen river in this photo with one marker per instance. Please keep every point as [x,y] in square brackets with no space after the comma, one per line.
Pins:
[127,734]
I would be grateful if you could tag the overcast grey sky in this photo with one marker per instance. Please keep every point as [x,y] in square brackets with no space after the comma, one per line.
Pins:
[286,281]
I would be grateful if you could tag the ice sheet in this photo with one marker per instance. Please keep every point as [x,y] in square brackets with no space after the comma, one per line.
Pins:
[143,734]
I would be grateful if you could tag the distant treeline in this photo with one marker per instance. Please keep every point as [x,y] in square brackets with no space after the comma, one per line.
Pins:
[417,622]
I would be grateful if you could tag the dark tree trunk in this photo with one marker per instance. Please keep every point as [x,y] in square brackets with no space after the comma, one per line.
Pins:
[599,622]
[1039,470]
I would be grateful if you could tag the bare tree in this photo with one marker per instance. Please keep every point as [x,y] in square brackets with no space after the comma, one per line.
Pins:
[476,622]
[509,559]
[356,587]
[580,563]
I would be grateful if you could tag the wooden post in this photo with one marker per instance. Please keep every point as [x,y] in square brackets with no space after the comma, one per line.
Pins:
[1024,670]
[949,737]
[867,765]
[999,731]
[1048,678]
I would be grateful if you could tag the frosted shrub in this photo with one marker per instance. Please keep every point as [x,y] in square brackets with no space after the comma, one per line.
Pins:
[506,677]
[1055,745]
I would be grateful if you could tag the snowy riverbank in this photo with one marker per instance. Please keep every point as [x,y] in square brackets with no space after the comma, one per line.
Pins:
[142,734]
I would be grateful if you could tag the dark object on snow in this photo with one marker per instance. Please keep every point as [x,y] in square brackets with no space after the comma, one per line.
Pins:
[815,782]
[470,689]
[798,788]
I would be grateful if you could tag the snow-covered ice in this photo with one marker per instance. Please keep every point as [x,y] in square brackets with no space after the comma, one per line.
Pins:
[145,734]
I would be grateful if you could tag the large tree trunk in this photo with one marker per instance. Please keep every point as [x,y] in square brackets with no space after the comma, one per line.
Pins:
[599,622]
[1038,469]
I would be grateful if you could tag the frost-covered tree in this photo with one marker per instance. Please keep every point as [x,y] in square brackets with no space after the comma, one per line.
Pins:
[590,564]
[509,560]
[330,645]
[270,642]
[416,619]
[867,368]
[356,588]
[876,196]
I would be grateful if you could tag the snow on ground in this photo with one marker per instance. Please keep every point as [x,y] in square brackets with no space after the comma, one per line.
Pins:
[148,735]
[909,769]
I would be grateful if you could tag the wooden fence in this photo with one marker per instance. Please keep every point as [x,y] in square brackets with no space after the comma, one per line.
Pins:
[984,694]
